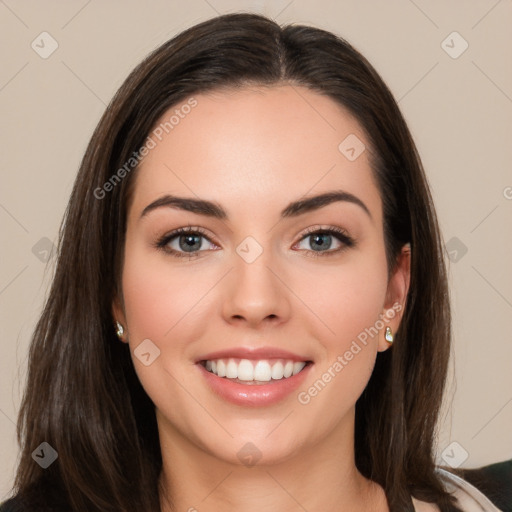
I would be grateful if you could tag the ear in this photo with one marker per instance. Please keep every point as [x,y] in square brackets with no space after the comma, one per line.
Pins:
[119,316]
[396,295]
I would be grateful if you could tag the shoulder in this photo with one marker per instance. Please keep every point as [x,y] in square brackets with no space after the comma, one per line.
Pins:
[13,505]
[469,498]
[494,480]
[20,503]
[40,496]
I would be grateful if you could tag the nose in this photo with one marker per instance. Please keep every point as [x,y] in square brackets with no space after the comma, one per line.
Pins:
[256,293]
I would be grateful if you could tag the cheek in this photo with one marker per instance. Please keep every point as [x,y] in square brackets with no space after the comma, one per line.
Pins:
[147,294]
[163,304]
[161,298]
[345,299]
[344,371]
[348,301]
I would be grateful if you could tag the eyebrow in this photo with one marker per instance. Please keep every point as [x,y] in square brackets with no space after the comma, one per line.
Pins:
[214,210]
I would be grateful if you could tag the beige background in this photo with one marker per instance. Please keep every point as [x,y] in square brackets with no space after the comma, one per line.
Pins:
[459,111]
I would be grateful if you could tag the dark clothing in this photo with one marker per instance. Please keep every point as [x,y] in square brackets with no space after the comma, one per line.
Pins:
[495,481]
[12,505]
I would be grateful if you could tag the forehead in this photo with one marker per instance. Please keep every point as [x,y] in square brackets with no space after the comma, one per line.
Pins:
[255,148]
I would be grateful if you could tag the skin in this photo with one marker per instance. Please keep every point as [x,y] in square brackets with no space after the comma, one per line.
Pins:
[253,151]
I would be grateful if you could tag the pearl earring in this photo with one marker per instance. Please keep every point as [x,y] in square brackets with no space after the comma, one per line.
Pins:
[120,330]
[389,335]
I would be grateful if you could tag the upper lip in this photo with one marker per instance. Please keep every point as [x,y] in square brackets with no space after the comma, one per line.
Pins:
[253,353]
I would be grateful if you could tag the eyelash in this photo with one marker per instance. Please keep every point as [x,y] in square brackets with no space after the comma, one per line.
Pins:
[338,233]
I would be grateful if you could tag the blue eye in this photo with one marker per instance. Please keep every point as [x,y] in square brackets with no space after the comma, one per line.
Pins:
[322,239]
[190,241]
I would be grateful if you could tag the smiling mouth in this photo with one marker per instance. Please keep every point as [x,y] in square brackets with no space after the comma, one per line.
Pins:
[254,372]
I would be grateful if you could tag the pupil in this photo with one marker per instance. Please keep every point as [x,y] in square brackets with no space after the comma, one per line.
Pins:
[190,241]
[319,237]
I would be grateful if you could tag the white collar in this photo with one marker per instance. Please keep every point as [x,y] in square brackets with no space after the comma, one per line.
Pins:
[469,498]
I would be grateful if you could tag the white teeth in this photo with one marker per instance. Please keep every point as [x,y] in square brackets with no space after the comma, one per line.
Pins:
[278,371]
[231,369]
[262,371]
[247,370]
[297,367]
[221,368]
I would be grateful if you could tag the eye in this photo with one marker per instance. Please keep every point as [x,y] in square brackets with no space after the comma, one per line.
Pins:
[322,239]
[189,242]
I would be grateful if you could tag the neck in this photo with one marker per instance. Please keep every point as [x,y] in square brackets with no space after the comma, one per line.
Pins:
[318,477]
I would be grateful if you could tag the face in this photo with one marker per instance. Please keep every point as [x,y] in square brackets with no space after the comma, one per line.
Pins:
[311,282]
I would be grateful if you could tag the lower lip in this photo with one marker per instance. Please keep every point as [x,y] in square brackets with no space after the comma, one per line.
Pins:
[255,395]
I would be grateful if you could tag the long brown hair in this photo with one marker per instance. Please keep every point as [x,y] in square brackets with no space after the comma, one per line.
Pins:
[83,396]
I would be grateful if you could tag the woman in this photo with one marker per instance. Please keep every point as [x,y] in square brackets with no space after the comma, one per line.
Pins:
[250,307]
